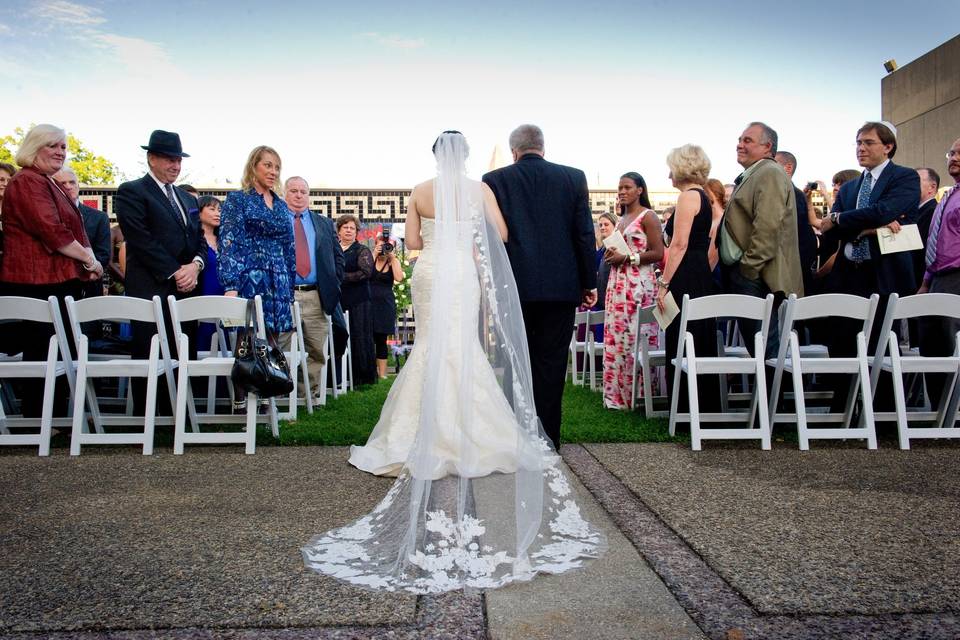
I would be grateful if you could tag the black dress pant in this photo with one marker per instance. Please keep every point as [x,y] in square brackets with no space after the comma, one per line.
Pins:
[549,326]
[143,333]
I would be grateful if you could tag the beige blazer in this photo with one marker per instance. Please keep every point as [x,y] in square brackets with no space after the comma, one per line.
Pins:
[761,217]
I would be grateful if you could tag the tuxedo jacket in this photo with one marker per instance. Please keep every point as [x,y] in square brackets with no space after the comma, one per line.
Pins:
[329,262]
[895,194]
[761,217]
[158,240]
[551,242]
[97,226]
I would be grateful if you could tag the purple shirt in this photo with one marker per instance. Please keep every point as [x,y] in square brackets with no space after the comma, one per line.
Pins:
[948,241]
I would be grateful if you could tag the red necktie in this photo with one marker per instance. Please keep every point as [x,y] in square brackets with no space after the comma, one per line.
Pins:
[300,242]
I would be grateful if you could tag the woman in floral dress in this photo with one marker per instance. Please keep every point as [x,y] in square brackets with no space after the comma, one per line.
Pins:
[632,285]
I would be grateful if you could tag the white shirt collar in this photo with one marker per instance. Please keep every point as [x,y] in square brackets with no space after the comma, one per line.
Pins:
[877,170]
[160,184]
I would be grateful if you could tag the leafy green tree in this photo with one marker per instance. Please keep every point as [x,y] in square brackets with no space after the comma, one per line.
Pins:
[89,167]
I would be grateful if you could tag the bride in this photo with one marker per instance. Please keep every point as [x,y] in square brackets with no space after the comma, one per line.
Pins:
[481,499]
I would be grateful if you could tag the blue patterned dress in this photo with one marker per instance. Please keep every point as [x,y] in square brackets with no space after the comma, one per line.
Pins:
[256,254]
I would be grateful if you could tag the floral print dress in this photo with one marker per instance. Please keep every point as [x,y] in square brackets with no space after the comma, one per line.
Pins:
[257,255]
[628,289]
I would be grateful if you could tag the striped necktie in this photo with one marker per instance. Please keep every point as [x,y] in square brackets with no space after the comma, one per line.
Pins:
[860,248]
[173,201]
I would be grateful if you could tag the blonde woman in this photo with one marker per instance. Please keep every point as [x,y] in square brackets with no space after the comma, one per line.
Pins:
[256,253]
[687,270]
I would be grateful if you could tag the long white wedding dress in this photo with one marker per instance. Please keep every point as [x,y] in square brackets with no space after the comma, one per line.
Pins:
[481,499]
[486,450]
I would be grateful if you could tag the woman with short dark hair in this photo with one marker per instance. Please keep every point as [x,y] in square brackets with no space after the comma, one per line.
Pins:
[358,265]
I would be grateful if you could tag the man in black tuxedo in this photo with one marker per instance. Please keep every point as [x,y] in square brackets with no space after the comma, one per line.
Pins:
[95,223]
[885,193]
[319,274]
[551,245]
[165,246]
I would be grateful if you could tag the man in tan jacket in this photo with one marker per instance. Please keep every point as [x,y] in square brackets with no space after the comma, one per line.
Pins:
[758,238]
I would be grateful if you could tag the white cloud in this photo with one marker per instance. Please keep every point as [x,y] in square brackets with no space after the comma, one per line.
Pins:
[394,41]
[141,57]
[12,69]
[5,30]
[71,13]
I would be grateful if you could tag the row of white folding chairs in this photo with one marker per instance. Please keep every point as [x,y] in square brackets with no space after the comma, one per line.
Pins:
[797,360]
[585,350]
[160,362]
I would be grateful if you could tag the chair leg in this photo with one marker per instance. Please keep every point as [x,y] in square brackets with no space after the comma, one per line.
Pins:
[150,413]
[78,398]
[251,443]
[867,416]
[693,395]
[760,392]
[183,393]
[799,401]
[899,397]
[647,373]
[49,385]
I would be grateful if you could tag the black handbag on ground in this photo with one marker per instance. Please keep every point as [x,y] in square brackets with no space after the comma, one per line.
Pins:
[259,365]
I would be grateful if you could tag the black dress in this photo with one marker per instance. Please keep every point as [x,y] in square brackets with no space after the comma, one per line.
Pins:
[384,302]
[355,298]
[694,278]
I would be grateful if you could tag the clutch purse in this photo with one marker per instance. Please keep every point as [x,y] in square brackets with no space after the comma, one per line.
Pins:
[259,365]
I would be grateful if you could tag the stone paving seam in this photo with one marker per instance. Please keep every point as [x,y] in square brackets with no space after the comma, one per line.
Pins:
[715,606]
[448,616]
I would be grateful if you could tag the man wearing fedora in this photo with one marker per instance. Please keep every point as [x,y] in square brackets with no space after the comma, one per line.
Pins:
[165,246]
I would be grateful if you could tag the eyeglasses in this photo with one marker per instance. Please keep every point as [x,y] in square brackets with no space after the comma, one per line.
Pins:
[952,154]
[867,143]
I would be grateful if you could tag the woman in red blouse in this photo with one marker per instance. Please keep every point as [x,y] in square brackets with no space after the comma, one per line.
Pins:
[46,251]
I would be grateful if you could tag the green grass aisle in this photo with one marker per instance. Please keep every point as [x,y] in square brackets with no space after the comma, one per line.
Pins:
[349,420]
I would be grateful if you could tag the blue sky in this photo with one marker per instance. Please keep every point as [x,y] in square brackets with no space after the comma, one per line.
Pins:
[352,94]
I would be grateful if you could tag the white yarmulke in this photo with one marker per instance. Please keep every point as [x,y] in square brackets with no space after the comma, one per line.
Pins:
[890,126]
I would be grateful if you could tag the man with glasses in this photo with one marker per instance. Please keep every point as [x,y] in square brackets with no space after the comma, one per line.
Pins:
[884,193]
[942,273]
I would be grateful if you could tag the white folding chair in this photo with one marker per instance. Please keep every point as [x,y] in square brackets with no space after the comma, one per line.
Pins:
[346,360]
[330,352]
[124,310]
[296,356]
[13,366]
[733,306]
[298,341]
[229,311]
[578,347]
[645,360]
[791,359]
[889,358]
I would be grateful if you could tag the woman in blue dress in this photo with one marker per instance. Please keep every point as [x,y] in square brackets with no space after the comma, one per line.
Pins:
[256,254]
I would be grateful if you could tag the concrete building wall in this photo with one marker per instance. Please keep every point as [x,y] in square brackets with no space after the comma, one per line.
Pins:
[922,99]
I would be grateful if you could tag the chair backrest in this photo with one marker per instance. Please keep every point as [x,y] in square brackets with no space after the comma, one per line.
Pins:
[925,304]
[229,311]
[596,317]
[728,305]
[46,311]
[580,319]
[840,305]
[113,308]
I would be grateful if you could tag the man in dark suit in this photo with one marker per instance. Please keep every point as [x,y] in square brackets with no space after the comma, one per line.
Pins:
[807,239]
[883,194]
[165,246]
[95,223]
[929,185]
[319,274]
[551,245]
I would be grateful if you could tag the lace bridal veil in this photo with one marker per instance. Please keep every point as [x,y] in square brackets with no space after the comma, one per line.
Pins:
[440,528]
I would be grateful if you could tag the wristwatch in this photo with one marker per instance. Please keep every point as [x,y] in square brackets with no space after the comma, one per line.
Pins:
[663,284]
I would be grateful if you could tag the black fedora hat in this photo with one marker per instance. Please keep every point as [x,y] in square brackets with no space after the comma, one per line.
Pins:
[166,143]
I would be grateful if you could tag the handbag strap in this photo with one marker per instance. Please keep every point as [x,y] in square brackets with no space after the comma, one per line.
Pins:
[251,319]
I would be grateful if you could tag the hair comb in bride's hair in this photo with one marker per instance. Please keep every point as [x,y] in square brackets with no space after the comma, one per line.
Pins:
[435,142]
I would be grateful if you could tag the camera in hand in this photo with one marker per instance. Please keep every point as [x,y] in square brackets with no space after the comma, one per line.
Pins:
[813,186]
[387,243]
